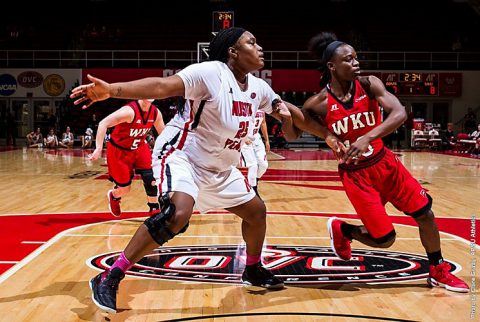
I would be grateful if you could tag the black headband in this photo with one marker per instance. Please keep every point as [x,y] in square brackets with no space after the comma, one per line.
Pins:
[226,38]
[328,53]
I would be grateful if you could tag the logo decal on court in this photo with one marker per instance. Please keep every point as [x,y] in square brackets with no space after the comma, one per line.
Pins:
[84,174]
[295,264]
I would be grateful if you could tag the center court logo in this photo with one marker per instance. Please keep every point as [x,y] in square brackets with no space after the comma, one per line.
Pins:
[297,265]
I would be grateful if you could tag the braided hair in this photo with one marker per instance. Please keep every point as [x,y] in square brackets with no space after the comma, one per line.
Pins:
[322,47]
[226,38]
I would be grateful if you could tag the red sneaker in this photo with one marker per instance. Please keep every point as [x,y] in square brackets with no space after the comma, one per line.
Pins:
[440,276]
[340,244]
[114,205]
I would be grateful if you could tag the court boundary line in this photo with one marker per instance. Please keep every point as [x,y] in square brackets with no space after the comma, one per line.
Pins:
[218,212]
[280,157]
[239,236]
[12,270]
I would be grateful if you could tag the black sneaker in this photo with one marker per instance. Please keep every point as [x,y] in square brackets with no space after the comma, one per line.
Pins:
[257,275]
[104,292]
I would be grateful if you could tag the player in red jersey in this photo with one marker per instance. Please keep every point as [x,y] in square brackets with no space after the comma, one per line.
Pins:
[348,105]
[127,150]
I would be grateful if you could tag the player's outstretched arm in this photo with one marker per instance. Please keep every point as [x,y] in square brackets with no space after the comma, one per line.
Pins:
[145,88]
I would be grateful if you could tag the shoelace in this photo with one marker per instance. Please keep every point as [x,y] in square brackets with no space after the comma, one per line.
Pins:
[264,272]
[112,282]
[443,269]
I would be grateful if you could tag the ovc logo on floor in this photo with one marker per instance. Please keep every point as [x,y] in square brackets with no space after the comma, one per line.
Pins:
[297,265]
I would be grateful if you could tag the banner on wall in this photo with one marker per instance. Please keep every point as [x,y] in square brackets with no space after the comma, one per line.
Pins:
[58,82]
[450,84]
[303,80]
[281,80]
[38,82]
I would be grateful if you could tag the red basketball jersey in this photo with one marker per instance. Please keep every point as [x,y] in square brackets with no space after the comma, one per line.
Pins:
[353,119]
[129,136]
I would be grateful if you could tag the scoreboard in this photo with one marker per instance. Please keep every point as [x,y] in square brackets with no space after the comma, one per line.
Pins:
[422,83]
[222,20]
[412,83]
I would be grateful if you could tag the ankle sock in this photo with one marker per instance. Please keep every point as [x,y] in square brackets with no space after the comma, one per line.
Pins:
[122,262]
[435,258]
[252,259]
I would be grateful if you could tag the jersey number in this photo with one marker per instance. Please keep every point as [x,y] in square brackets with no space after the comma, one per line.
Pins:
[256,127]
[365,154]
[242,130]
[135,144]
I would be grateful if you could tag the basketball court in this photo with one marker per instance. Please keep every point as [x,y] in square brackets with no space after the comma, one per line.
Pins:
[57,234]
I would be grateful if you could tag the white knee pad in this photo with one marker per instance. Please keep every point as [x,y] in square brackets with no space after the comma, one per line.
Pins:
[252,175]
[262,168]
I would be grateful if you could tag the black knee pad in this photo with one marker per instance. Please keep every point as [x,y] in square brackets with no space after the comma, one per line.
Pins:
[158,225]
[147,177]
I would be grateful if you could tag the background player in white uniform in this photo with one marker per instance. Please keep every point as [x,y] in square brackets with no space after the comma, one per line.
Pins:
[67,139]
[87,139]
[254,152]
[197,153]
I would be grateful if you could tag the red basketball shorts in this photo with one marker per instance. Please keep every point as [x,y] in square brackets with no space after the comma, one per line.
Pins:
[370,188]
[122,163]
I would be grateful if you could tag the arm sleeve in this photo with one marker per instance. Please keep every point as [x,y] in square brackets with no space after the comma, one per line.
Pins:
[202,81]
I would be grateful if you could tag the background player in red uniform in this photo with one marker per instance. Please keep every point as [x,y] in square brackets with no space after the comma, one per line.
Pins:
[127,150]
[371,174]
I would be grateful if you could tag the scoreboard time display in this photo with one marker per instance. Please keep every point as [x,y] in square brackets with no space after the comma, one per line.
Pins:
[412,83]
[222,20]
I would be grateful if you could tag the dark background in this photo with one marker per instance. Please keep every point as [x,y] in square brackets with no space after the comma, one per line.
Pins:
[368,25]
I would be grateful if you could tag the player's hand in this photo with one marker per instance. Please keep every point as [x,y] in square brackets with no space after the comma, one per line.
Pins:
[97,90]
[282,110]
[267,146]
[355,150]
[337,147]
[95,155]
[248,141]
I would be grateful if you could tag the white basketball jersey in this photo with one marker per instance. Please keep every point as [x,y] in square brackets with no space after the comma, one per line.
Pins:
[218,114]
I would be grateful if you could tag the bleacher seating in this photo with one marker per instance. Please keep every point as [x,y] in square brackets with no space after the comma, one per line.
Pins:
[419,139]
[306,140]
[464,143]
[434,140]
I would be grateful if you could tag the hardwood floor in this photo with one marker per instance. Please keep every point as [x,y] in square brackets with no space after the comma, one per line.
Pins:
[58,232]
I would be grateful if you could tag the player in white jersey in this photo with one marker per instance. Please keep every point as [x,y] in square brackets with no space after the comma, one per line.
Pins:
[254,152]
[196,154]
